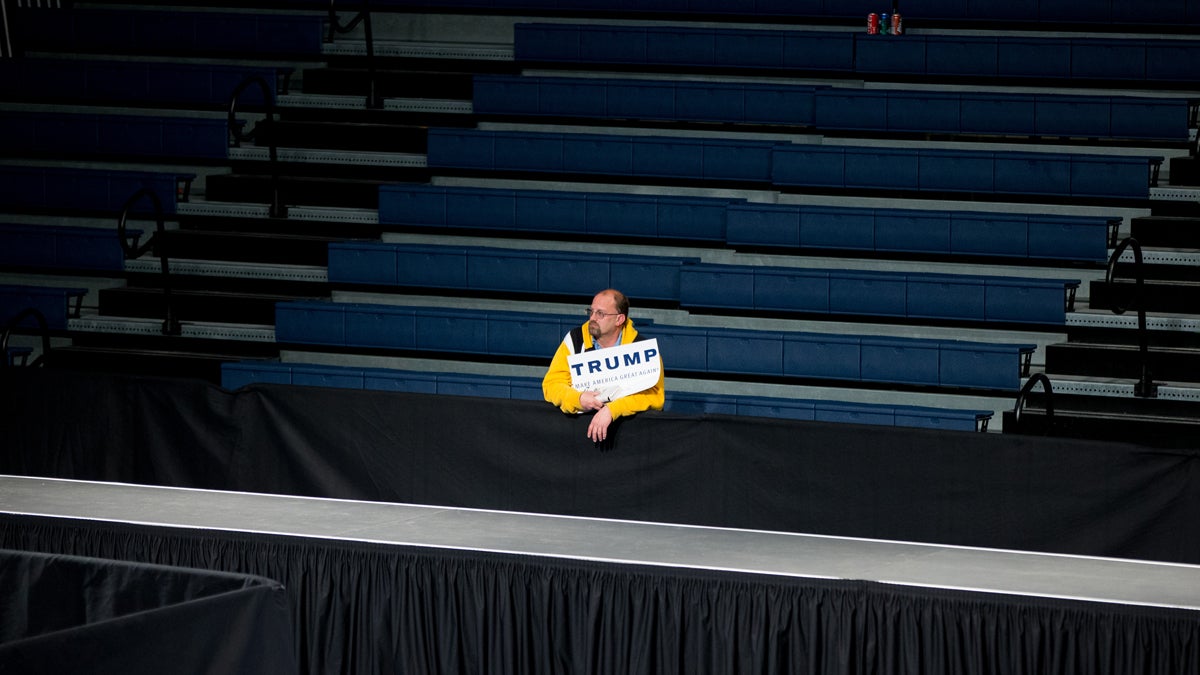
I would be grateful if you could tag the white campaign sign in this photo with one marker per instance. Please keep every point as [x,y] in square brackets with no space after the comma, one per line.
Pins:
[617,371]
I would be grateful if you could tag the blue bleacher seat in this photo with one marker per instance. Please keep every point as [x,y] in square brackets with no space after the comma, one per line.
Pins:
[571,213]
[17,356]
[123,30]
[62,247]
[504,270]
[955,297]
[981,56]
[620,155]
[57,304]
[1032,173]
[134,82]
[739,223]
[39,188]
[606,98]
[712,350]
[83,135]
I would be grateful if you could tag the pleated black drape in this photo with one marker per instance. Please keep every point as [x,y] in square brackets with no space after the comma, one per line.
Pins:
[369,608]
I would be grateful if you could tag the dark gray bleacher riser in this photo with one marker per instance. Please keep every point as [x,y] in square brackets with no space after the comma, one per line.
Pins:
[1167,231]
[1176,297]
[187,305]
[1172,365]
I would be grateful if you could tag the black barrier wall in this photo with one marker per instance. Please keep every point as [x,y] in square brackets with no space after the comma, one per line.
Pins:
[959,488]
[67,614]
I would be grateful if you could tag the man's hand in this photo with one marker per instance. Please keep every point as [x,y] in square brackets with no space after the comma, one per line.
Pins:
[591,400]
[598,428]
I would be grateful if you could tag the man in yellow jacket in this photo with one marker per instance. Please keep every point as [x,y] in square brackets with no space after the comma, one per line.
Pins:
[608,325]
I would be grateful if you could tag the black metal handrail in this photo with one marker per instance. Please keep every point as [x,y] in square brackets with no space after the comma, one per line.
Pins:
[170,323]
[363,17]
[14,323]
[1038,378]
[277,209]
[1145,387]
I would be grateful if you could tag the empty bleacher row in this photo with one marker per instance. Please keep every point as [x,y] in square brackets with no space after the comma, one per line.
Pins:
[723,161]
[739,223]
[40,188]
[90,135]
[181,85]
[173,31]
[1033,12]
[62,247]
[699,286]
[829,108]
[912,362]
[981,57]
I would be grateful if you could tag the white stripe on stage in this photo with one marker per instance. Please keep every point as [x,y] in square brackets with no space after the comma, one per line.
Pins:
[1109,580]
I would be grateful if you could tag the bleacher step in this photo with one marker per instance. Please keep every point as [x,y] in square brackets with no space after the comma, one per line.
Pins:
[298,190]
[246,247]
[345,136]
[1178,296]
[389,83]
[146,362]
[1166,231]
[234,272]
[1105,327]
[360,158]
[191,305]
[1142,430]
[1178,364]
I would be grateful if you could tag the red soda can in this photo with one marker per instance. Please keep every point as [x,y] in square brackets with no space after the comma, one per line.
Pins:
[872,24]
[897,24]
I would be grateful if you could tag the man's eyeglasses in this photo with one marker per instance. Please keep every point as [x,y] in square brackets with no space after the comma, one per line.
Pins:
[595,312]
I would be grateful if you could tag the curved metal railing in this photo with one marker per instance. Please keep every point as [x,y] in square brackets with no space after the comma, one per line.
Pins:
[1145,386]
[132,250]
[363,17]
[1037,378]
[14,323]
[237,136]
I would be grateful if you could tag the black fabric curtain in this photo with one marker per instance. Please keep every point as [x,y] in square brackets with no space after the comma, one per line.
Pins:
[70,614]
[989,490]
[368,608]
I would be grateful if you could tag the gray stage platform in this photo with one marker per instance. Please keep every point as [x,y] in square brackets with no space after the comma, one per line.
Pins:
[1125,582]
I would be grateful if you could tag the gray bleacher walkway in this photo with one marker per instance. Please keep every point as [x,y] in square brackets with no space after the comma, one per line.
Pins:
[615,542]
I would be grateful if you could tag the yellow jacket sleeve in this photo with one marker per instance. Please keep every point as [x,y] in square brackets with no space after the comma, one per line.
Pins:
[556,385]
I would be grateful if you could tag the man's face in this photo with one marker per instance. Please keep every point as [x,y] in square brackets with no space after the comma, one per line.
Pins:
[604,320]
